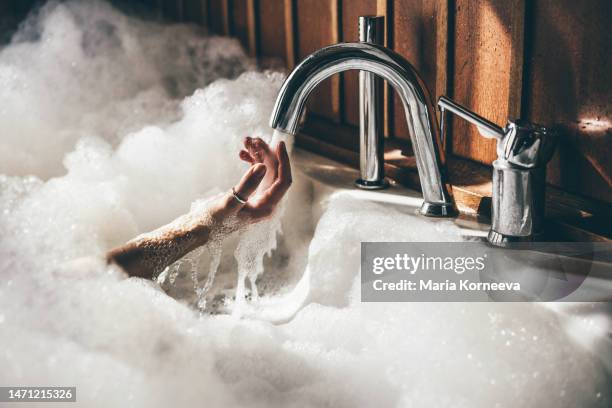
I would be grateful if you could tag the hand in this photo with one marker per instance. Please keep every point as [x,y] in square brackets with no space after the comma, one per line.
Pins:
[269,176]
[257,151]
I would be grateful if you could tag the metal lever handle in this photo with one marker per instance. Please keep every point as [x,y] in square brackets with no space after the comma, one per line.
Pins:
[486,128]
[519,174]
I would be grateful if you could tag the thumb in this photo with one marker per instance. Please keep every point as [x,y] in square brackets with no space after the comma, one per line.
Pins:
[248,184]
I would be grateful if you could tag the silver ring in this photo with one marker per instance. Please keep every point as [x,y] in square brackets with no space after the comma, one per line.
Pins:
[237,197]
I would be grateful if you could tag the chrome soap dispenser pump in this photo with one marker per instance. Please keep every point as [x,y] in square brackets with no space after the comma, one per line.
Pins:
[519,175]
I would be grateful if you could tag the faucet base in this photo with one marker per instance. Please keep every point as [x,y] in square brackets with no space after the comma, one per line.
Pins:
[371,185]
[438,209]
[505,241]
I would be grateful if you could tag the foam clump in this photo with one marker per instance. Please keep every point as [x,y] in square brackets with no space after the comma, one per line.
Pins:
[106,137]
[82,68]
[256,242]
[433,354]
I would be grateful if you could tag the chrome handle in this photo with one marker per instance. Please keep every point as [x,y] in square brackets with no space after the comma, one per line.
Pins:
[519,174]
[486,128]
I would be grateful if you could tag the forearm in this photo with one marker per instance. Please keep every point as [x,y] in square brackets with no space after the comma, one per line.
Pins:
[148,255]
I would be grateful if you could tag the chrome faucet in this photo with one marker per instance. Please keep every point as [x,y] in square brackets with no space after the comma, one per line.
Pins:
[418,107]
[371,116]
[519,175]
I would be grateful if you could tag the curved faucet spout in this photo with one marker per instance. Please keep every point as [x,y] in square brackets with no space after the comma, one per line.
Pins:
[418,107]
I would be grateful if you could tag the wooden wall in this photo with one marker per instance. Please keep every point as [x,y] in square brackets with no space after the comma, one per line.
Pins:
[544,60]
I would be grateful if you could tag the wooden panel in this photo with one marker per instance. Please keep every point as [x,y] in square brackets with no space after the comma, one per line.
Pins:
[172,9]
[22,7]
[218,19]
[252,23]
[568,85]
[194,11]
[317,25]
[272,35]
[244,24]
[547,60]
[290,33]
[351,10]
[419,34]
[488,60]
[12,13]
[5,8]
[240,28]
[154,8]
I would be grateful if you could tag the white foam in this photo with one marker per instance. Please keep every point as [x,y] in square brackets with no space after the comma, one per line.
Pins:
[100,94]
[83,68]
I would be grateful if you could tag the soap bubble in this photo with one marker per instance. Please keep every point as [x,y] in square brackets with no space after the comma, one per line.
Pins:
[114,126]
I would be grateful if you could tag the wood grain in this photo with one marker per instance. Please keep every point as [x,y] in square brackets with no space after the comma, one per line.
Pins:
[385,8]
[487,69]
[272,30]
[172,9]
[195,11]
[568,86]
[219,19]
[244,24]
[240,21]
[318,26]
[545,60]
[290,33]
[12,13]
[420,30]
[252,23]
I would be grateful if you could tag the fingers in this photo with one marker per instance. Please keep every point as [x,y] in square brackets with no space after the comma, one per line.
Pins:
[275,193]
[250,149]
[257,148]
[284,165]
[245,156]
[275,181]
[247,185]
[284,179]
[251,179]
